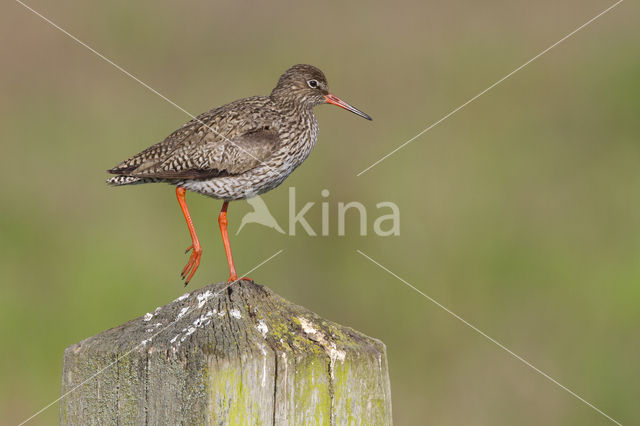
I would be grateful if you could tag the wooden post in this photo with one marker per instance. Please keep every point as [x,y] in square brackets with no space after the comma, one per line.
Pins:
[227,355]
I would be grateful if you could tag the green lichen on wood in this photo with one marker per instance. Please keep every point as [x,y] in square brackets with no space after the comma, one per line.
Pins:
[312,393]
[228,397]
[287,331]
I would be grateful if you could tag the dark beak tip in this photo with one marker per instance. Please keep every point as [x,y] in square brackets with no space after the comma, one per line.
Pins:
[364,115]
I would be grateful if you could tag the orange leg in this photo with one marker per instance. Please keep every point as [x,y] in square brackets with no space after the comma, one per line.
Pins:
[194,260]
[222,221]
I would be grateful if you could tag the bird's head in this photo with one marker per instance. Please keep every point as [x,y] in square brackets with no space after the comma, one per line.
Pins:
[306,85]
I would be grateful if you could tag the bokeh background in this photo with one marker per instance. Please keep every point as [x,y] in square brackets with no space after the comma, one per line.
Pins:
[521,212]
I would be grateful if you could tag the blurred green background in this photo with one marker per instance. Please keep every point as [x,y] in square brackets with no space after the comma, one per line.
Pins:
[521,212]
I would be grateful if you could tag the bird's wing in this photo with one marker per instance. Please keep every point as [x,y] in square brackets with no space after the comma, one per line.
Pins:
[195,151]
[214,157]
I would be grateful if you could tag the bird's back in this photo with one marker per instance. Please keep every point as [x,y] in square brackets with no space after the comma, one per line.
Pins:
[195,144]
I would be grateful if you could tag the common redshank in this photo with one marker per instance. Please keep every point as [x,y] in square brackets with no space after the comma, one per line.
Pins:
[236,151]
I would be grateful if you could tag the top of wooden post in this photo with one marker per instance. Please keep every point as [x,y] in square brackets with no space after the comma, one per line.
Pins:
[228,354]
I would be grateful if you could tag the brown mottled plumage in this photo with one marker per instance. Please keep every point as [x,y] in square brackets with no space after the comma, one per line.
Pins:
[238,150]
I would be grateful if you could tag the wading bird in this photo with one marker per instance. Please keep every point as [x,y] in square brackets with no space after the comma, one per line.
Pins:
[236,151]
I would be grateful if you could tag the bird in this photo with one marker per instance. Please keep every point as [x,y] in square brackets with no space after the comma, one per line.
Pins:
[260,215]
[237,151]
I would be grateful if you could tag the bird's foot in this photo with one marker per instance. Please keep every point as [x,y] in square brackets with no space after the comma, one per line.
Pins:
[192,264]
[234,278]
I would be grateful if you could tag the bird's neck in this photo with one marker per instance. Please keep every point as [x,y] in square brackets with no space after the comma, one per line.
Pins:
[291,105]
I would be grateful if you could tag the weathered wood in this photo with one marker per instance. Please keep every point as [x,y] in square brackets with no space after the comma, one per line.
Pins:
[236,355]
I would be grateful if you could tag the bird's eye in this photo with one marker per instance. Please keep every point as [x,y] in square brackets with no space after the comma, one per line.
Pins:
[312,83]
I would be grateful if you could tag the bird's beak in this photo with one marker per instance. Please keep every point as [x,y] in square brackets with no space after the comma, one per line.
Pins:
[332,99]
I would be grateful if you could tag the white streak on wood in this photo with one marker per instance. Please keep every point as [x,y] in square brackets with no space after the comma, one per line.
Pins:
[182,312]
[204,297]
[189,332]
[264,363]
[153,327]
[181,298]
[262,328]
[329,347]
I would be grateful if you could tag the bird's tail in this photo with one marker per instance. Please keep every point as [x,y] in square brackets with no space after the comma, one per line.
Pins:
[125,180]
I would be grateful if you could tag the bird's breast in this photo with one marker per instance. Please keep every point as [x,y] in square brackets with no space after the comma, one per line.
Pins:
[298,138]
